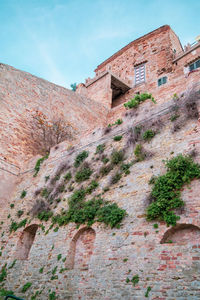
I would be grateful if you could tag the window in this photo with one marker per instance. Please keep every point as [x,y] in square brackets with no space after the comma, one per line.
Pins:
[139,74]
[162,80]
[194,65]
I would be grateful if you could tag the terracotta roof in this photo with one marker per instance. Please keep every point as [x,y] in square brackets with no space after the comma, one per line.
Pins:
[148,35]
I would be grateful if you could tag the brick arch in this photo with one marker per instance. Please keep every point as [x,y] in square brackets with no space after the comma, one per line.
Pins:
[25,242]
[81,249]
[182,234]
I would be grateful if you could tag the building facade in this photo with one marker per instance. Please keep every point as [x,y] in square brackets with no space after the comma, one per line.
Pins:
[154,63]
[43,259]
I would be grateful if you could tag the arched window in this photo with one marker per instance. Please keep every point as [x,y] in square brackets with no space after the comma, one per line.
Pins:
[81,249]
[182,234]
[26,241]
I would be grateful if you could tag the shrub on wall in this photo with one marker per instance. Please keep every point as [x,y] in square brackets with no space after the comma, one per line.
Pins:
[148,134]
[83,174]
[88,212]
[47,132]
[117,157]
[14,225]
[137,99]
[117,138]
[100,149]
[38,164]
[80,158]
[166,191]
[139,153]
[23,194]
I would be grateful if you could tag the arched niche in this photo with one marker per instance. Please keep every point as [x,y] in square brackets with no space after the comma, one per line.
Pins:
[81,249]
[26,241]
[182,234]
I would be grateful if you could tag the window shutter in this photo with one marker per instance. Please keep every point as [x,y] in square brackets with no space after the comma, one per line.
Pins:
[198,64]
[194,65]
[162,80]
[191,67]
[159,82]
[140,74]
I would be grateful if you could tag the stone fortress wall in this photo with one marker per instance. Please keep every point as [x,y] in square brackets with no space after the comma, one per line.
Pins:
[20,95]
[94,262]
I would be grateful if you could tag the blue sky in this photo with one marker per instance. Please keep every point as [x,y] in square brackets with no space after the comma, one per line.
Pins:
[64,40]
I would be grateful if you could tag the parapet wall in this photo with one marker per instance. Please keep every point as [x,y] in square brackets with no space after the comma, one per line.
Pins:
[21,94]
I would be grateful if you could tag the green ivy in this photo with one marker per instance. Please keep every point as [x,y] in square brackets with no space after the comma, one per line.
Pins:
[80,158]
[56,229]
[93,185]
[52,296]
[174,117]
[68,176]
[111,214]
[59,256]
[147,291]
[88,212]
[23,194]
[137,99]
[3,273]
[166,191]
[100,149]
[116,177]
[20,213]
[14,225]
[139,153]
[148,134]
[118,122]
[4,292]
[34,297]
[117,138]
[135,279]
[46,178]
[117,157]
[38,164]
[125,168]
[12,265]
[105,160]
[45,193]
[83,174]
[45,215]
[54,270]
[26,287]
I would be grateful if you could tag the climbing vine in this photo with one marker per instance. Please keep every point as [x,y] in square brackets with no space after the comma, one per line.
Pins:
[88,212]
[137,99]
[38,164]
[166,192]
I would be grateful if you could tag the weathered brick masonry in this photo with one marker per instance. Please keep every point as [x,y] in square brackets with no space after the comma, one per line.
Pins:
[162,54]
[93,263]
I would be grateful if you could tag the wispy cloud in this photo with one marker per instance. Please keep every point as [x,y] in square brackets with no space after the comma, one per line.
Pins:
[64,40]
[51,68]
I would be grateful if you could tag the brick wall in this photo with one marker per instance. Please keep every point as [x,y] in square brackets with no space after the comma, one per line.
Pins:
[102,258]
[20,94]
[92,263]
[156,50]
